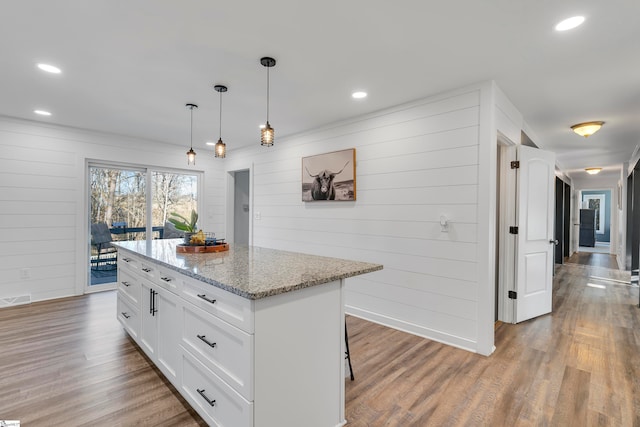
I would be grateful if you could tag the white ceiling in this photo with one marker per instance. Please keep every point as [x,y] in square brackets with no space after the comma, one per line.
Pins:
[129,67]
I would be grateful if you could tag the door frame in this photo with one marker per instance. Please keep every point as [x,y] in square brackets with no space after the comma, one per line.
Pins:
[231,192]
[506,249]
[84,286]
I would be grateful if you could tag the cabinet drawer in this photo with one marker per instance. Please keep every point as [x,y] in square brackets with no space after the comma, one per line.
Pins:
[148,270]
[128,316]
[223,348]
[129,285]
[211,397]
[225,305]
[128,261]
[168,279]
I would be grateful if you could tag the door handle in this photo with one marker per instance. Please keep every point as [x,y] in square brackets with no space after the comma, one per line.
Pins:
[553,242]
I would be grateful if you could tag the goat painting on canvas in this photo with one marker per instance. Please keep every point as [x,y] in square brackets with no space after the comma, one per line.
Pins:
[329,176]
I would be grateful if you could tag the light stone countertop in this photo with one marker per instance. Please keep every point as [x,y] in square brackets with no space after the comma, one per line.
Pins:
[250,271]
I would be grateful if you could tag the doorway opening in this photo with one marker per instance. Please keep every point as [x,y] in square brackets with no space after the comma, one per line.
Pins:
[239,224]
[595,221]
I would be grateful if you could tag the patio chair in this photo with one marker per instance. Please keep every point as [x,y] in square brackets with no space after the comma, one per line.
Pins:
[101,239]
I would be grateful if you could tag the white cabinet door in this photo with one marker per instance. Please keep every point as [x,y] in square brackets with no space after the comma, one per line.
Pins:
[168,334]
[160,329]
[149,324]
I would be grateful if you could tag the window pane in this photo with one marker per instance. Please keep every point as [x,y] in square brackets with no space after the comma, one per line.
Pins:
[118,199]
[173,192]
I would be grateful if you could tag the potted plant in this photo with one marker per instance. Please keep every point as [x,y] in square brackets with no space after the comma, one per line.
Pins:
[189,226]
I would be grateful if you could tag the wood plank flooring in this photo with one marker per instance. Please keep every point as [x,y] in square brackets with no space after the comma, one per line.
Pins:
[68,362]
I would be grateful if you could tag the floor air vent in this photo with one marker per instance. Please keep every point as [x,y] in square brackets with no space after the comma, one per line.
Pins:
[19,300]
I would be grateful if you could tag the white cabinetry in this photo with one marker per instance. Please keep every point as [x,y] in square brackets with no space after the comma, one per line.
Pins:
[153,322]
[274,361]
[160,331]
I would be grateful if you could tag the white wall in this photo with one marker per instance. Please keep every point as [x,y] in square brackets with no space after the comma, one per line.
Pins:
[43,214]
[415,162]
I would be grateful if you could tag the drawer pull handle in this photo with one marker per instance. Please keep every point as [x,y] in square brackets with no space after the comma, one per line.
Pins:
[166,279]
[206,341]
[127,284]
[204,396]
[125,315]
[146,270]
[126,259]
[204,297]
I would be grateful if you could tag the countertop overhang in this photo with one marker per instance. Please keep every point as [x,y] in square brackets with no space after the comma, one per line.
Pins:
[251,272]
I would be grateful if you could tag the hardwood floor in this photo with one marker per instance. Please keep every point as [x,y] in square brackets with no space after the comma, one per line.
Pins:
[593,259]
[68,362]
[579,366]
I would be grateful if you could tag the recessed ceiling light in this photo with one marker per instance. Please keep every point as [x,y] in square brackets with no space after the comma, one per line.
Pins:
[570,23]
[359,95]
[49,68]
[42,112]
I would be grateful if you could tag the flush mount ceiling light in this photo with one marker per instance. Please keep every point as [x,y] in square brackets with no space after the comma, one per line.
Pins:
[593,171]
[221,147]
[587,129]
[570,23]
[359,95]
[191,155]
[267,132]
[49,68]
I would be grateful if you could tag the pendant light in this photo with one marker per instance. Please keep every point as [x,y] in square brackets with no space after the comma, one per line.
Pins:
[220,148]
[267,132]
[191,155]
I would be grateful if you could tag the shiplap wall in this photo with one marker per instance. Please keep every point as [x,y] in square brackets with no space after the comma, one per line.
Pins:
[414,163]
[43,207]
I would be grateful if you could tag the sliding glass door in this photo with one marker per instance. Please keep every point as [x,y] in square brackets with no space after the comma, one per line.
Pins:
[122,202]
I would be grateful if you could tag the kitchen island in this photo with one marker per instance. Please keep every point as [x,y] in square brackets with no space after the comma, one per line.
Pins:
[250,337]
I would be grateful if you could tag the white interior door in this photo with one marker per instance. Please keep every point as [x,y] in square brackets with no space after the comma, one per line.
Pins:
[535,241]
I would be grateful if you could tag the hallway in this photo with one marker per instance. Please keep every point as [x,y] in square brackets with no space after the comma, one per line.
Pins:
[575,367]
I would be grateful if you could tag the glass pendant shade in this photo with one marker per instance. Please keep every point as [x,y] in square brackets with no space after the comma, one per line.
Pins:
[220,149]
[191,157]
[266,135]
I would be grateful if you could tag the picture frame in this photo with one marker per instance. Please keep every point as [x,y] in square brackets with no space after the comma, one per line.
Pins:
[329,176]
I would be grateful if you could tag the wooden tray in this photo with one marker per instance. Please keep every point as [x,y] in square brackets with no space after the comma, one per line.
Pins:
[184,249]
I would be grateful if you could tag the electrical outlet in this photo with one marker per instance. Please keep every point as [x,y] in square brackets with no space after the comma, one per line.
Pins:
[25,273]
[258,216]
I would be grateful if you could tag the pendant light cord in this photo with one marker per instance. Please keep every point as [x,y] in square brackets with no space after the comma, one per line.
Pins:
[268,94]
[220,135]
[191,108]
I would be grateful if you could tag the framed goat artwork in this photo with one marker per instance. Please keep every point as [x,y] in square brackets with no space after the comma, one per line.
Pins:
[329,176]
